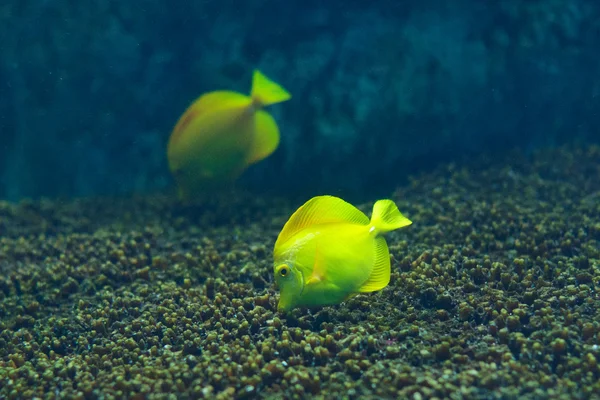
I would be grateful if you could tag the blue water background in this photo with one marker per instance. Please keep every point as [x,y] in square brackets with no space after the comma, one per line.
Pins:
[89,91]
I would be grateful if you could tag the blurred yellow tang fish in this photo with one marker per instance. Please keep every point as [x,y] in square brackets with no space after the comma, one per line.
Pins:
[221,134]
[329,251]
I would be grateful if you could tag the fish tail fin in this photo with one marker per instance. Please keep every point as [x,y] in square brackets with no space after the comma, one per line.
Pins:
[386,217]
[266,92]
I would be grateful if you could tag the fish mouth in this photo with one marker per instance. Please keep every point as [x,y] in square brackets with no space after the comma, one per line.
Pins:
[290,296]
[288,301]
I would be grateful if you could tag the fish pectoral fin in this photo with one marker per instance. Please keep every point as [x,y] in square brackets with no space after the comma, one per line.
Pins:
[266,137]
[313,280]
[321,210]
[380,274]
[318,272]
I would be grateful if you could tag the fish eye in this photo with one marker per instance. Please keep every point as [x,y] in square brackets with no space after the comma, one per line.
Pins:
[283,271]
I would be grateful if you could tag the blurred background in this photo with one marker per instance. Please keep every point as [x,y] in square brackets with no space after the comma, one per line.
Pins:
[89,91]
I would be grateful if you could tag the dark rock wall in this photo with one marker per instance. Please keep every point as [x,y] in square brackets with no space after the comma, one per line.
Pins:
[89,91]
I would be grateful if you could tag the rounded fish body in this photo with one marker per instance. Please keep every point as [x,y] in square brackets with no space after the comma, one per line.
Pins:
[221,134]
[329,251]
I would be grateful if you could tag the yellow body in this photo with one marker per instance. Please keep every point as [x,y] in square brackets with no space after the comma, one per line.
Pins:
[221,134]
[329,251]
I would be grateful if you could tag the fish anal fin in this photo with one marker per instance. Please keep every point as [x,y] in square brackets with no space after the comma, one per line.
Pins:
[321,210]
[266,137]
[380,274]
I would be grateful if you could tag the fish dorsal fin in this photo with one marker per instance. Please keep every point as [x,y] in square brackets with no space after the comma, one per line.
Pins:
[380,274]
[266,137]
[221,99]
[321,210]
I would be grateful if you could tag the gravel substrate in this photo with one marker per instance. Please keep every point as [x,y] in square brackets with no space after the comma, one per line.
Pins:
[493,295]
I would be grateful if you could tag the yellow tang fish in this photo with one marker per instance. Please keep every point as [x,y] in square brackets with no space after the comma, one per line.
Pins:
[329,251]
[221,134]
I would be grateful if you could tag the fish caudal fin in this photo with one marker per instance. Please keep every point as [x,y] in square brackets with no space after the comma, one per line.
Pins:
[266,92]
[386,217]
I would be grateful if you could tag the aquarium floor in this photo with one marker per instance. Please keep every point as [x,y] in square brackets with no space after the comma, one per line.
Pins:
[494,294]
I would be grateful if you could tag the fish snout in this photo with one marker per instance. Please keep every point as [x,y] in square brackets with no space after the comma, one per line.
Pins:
[283,306]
